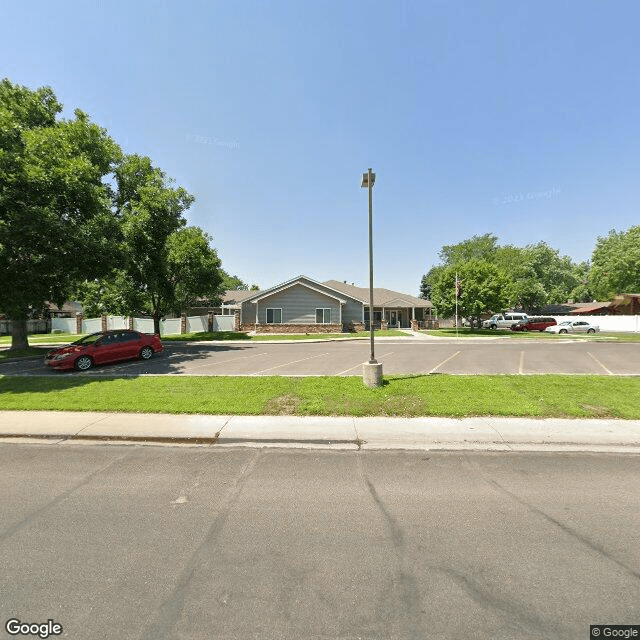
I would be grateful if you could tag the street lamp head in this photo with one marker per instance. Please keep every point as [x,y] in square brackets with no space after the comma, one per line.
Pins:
[365,179]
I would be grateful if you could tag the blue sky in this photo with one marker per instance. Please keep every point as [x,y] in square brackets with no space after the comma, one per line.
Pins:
[515,118]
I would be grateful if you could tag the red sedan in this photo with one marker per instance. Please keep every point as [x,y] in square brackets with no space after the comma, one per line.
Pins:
[103,347]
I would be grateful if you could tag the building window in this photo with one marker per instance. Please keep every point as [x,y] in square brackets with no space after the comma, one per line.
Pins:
[228,311]
[274,316]
[323,316]
[377,315]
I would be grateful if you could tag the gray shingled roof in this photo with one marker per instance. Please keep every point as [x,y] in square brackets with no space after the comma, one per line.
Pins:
[381,297]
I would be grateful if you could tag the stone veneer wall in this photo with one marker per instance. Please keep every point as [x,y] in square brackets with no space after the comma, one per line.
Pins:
[291,328]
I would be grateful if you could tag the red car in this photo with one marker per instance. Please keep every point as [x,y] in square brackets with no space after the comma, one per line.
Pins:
[103,347]
[534,323]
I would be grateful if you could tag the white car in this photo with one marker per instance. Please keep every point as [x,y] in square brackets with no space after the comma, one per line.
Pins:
[573,326]
[503,320]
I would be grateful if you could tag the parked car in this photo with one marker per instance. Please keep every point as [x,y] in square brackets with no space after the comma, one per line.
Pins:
[534,323]
[503,320]
[103,347]
[573,326]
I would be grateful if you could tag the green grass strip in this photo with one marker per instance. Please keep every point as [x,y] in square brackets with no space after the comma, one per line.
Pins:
[423,395]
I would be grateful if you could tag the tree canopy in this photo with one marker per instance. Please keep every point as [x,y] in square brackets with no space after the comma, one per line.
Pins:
[56,216]
[615,264]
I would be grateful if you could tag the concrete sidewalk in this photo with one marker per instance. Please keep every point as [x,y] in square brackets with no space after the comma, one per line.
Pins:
[480,433]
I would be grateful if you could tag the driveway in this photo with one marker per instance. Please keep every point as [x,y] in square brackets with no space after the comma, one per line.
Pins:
[403,356]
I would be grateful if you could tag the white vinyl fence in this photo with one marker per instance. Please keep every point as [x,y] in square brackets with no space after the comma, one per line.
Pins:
[197,324]
[117,322]
[223,323]
[606,323]
[145,325]
[169,326]
[64,325]
[92,325]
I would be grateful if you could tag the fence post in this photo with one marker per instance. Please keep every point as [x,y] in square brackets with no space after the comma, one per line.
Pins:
[130,322]
[210,322]
[236,321]
[183,323]
[103,320]
[79,319]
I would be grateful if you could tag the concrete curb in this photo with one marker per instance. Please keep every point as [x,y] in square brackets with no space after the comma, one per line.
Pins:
[371,433]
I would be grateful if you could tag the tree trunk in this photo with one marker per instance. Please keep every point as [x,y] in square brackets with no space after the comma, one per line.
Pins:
[19,333]
[156,322]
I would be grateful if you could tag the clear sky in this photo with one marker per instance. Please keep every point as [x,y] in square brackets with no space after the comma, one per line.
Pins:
[516,118]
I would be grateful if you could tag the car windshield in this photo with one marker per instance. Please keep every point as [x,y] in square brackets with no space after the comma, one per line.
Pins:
[90,339]
[566,322]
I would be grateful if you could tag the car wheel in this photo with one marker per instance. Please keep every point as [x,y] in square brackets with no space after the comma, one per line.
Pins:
[83,363]
[146,353]
[591,330]
[562,331]
[494,326]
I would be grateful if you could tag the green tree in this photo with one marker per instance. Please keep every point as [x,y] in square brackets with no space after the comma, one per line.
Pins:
[151,209]
[193,268]
[232,283]
[483,288]
[56,216]
[615,264]
[482,247]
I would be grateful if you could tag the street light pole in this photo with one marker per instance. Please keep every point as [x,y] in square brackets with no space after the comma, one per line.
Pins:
[372,370]
[370,179]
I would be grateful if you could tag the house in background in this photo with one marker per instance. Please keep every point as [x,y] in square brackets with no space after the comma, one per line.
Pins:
[302,305]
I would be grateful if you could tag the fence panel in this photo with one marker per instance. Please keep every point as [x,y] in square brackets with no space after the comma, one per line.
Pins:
[606,323]
[145,325]
[170,326]
[92,325]
[197,323]
[117,322]
[64,325]
[223,323]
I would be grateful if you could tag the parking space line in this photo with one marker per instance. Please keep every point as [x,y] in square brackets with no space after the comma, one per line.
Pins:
[521,368]
[286,363]
[443,362]
[600,363]
[211,364]
[384,355]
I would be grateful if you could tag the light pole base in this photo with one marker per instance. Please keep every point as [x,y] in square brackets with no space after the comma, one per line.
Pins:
[372,374]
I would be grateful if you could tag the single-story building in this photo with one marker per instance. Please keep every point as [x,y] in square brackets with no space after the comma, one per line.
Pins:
[302,305]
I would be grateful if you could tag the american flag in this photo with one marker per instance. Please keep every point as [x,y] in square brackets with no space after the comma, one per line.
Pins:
[458,287]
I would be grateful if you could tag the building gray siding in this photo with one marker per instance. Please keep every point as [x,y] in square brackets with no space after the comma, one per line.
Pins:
[298,306]
[352,311]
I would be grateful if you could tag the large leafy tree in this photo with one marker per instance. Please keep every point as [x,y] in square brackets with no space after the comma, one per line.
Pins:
[151,209]
[193,268]
[537,274]
[615,264]
[483,287]
[165,266]
[56,215]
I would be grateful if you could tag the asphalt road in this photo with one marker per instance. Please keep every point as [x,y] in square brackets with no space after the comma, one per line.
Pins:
[148,543]
[403,356]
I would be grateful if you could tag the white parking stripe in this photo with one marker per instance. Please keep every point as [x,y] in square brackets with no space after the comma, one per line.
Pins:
[447,360]
[211,364]
[286,363]
[384,355]
[600,363]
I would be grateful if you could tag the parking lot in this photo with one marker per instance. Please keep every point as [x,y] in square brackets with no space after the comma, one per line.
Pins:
[399,356]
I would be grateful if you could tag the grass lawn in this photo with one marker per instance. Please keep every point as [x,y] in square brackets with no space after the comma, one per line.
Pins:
[6,354]
[424,395]
[47,338]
